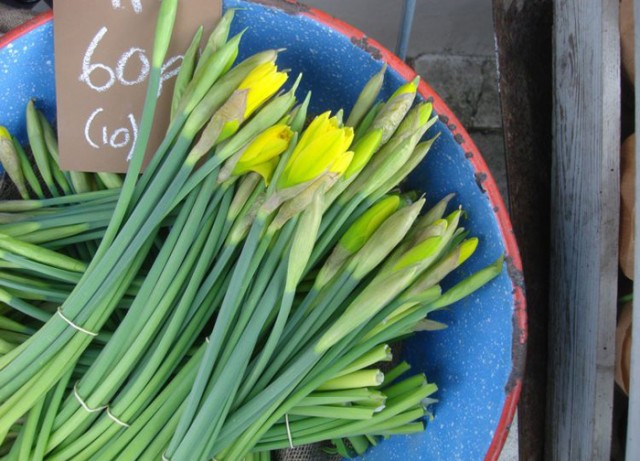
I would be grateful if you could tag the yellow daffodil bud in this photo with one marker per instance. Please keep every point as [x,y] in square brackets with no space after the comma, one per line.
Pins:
[262,83]
[356,236]
[385,239]
[342,163]
[467,248]
[428,248]
[262,154]
[363,151]
[360,231]
[470,284]
[322,148]
[407,88]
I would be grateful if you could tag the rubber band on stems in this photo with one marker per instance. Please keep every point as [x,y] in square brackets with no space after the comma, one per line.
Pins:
[73,325]
[115,419]
[83,404]
[286,420]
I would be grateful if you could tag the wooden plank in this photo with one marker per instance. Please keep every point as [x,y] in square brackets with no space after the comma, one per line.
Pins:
[633,422]
[584,235]
[523,37]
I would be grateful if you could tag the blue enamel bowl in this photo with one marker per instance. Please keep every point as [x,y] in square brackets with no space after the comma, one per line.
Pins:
[477,362]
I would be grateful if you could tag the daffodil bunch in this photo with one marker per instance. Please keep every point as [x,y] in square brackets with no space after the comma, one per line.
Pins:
[238,295]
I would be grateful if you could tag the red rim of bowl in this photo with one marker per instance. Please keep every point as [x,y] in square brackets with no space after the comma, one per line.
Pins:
[473,154]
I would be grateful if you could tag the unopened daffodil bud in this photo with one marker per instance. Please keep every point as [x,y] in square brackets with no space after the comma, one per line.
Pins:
[367,97]
[395,109]
[321,145]
[382,290]
[385,239]
[303,241]
[364,227]
[262,153]
[420,115]
[470,284]
[11,162]
[262,82]
[356,236]
[363,151]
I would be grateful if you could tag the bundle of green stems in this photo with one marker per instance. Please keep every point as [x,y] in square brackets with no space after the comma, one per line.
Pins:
[237,297]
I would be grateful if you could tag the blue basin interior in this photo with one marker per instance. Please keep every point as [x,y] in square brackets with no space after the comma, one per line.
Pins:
[471,361]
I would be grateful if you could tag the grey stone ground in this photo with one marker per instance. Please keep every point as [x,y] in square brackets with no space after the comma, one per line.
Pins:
[453,48]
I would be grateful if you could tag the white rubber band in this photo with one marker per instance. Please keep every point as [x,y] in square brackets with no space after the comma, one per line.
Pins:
[115,419]
[77,327]
[206,340]
[164,457]
[286,420]
[83,404]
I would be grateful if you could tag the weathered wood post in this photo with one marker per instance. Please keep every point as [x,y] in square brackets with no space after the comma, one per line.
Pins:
[584,223]
[633,425]
[523,38]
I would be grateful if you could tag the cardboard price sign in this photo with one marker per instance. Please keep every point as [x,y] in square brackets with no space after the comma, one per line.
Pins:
[103,51]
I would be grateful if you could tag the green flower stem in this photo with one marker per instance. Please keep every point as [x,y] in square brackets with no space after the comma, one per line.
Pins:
[131,402]
[54,398]
[298,428]
[40,255]
[42,292]
[30,385]
[26,367]
[334,397]
[153,417]
[407,429]
[405,386]
[380,422]
[41,237]
[356,379]
[220,329]
[329,411]
[227,386]
[269,404]
[63,178]
[44,270]
[27,169]
[29,431]
[152,324]
[38,148]
[265,271]
[150,296]
[304,334]
[194,444]
[24,307]
[26,205]
[396,372]
[127,405]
